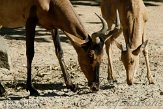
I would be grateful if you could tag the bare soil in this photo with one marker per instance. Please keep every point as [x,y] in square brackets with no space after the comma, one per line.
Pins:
[48,79]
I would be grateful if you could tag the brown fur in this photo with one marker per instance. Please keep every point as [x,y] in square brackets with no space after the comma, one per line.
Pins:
[54,14]
[133,17]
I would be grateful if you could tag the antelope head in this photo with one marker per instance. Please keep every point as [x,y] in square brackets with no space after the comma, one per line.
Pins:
[90,51]
[130,59]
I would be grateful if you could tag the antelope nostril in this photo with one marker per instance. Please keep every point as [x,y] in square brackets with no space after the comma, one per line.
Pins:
[89,84]
[94,89]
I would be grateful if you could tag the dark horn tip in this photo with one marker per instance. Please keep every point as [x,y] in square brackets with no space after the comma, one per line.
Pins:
[97,15]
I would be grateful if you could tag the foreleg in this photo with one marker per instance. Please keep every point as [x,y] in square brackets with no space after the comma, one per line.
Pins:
[149,76]
[59,54]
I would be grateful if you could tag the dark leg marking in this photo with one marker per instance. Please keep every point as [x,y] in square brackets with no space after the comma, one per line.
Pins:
[59,54]
[30,35]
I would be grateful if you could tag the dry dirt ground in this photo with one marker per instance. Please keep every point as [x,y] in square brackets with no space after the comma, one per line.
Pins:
[47,75]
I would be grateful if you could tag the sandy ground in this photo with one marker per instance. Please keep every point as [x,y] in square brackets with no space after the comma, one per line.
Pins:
[47,75]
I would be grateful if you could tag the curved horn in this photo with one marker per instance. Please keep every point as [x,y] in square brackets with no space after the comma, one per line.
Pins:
[104,30]
[96,35]
[117,25]
[116,29]
[104,24]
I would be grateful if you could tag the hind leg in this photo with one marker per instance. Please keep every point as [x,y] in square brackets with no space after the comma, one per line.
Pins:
[30,34]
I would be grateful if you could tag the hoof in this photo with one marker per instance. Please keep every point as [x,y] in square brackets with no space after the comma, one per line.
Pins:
[129,83]
[112,81]
[94,86]
[72,87]
[151,82]
[150,79]
[2,91]
[115,81]
[33,91]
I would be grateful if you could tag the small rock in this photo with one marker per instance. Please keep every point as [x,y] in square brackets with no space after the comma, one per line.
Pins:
[5,61]
[161,93]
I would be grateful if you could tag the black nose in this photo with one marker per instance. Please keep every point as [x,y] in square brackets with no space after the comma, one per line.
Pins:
[94,87]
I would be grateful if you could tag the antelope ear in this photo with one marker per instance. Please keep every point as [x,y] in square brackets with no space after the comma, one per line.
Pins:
[139,49]
[87,43]
[119,45]
[76,42]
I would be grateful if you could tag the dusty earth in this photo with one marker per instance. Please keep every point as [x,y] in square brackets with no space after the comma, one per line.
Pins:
[47,75]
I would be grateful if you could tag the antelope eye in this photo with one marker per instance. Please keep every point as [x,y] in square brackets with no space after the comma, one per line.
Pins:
[132,61]
[91,56]
[91,53]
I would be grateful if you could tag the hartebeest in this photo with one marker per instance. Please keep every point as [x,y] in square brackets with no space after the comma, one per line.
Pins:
[133,17]
[54,14]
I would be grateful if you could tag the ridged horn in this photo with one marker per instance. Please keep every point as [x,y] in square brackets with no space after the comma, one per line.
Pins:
[104,32]
[104,24]
[101,33]
[115,30]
